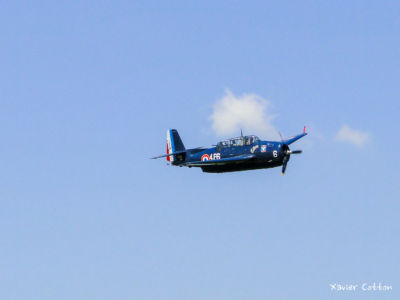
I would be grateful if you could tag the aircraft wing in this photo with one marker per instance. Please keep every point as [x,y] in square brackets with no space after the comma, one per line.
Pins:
[295,138]
[223,161]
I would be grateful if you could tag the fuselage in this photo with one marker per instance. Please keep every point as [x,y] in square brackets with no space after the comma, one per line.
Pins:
[235,154]
[267,154]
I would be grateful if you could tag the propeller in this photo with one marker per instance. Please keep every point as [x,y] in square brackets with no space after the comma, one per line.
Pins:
[284,164]
[286,156]
[295,152]
[280,136]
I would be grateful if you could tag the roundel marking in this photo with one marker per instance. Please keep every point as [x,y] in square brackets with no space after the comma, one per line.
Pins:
[205,157]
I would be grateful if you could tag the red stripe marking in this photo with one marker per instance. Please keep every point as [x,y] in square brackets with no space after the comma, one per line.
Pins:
[168,153]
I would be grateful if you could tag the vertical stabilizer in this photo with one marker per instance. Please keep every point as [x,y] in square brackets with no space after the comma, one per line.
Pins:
[174,144]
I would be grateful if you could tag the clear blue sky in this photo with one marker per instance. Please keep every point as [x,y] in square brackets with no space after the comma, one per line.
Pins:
[87,92]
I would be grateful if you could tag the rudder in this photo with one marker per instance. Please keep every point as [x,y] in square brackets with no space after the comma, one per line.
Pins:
[174,144]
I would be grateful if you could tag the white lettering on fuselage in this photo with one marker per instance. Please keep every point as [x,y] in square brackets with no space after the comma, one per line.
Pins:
[215,156]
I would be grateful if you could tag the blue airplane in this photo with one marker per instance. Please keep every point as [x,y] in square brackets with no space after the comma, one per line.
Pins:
[235,154]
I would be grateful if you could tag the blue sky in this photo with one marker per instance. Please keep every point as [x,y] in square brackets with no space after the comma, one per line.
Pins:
[87,93]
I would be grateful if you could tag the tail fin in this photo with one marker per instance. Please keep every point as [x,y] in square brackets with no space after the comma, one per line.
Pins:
[174,144]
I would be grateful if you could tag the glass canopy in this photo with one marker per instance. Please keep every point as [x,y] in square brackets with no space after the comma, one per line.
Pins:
[239,141]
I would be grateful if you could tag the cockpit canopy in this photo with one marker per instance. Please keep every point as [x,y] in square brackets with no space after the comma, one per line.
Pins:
[239,141]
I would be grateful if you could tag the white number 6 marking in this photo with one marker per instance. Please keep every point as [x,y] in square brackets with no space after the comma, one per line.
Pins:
[275,153]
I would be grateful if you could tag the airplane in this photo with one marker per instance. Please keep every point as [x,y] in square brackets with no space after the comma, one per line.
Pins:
[235,154]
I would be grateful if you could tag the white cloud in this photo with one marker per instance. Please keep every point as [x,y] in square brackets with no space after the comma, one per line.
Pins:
[249,112]
[353,136]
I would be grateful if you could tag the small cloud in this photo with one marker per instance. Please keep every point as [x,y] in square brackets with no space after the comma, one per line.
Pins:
[249,112]
[353,136]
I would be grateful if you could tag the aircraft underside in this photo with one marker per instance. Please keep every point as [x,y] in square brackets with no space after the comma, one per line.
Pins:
[240,167]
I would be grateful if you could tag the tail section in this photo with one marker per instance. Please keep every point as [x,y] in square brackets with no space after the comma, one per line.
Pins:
[174,144]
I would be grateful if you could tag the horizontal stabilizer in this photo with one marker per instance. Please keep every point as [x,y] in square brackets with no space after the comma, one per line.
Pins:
[180,152]
[169,154]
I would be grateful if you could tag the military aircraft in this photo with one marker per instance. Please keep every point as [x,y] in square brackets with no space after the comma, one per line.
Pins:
[235,154]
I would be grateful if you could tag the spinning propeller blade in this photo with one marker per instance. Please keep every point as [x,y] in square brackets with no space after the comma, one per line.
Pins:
[285,161]
[286,157]
[296,152]
[280,136]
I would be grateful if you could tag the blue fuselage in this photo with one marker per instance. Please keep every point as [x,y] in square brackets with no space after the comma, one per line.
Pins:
[267,154]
